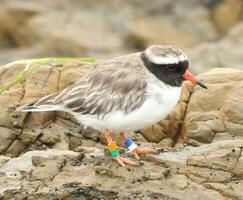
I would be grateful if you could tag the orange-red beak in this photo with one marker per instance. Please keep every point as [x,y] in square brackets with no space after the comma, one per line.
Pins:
[190,77]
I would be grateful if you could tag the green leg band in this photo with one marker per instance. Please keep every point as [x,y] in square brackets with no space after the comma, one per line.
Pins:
[114,153]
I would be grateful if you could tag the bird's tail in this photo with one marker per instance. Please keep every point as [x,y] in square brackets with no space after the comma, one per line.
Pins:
[46,103]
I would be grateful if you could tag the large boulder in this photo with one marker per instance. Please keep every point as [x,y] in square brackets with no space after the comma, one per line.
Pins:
[218,112]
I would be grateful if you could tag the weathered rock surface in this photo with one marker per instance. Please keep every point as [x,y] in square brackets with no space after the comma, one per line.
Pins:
[218,112]
[212,171]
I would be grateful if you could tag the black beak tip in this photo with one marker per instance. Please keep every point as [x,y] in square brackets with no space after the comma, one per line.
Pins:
[205,87]
[200,83]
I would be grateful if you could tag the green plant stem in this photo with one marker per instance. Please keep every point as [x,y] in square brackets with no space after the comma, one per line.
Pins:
[30,70]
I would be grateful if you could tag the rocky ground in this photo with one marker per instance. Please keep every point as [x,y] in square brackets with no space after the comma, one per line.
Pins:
[212,171]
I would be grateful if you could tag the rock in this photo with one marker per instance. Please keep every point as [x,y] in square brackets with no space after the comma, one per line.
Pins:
[24,162]
[7,136]
[182,29]
[88,174]
[206,163]
[154,133]
[233,128]
[52,134]
[231,190]
[217,160]
[75,140]
[159,34]
[90,133]
[16,148]
[51,164]
[216,112]
[201,175]
[227,13]
[223,53]
[88,143]
[76,40]
[167,142]
[238,167]
[30,136]
[3,160]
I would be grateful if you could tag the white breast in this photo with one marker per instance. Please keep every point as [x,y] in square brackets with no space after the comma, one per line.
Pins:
[160,100]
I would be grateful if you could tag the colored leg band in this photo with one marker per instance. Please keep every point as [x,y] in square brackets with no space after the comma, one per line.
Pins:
[112,146]
[114,153]
[113,149]
[128,142]
[130,145]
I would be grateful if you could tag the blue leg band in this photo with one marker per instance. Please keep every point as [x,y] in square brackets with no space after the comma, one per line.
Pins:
[128,142]
[130,145]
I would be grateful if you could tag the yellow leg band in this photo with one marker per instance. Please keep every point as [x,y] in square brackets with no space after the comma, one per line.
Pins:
[112,146]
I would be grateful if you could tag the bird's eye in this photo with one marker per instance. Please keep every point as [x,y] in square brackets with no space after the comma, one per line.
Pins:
[171,68]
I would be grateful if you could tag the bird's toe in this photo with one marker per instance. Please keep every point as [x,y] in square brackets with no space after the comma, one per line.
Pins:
[138,151]
[123,161]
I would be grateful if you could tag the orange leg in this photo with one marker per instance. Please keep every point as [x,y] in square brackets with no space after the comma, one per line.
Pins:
[121,160]
[138,150]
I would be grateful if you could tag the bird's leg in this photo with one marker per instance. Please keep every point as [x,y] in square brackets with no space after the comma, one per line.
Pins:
[115,153]
[132,147]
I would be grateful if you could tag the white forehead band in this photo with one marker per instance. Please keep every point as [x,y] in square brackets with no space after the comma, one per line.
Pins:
[168,59]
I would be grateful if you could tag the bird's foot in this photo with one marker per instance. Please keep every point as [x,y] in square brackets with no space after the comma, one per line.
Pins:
[140,151]
[112,146]
[134,149]
[123,161]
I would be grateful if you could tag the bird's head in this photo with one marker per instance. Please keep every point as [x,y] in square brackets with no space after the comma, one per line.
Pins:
[169,64]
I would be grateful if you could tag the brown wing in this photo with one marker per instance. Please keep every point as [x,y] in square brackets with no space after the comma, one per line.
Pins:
[112,86]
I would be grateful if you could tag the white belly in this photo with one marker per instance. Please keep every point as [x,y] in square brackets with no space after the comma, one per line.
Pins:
[160,100]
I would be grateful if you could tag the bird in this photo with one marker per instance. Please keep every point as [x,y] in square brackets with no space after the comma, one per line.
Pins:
[124,94]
